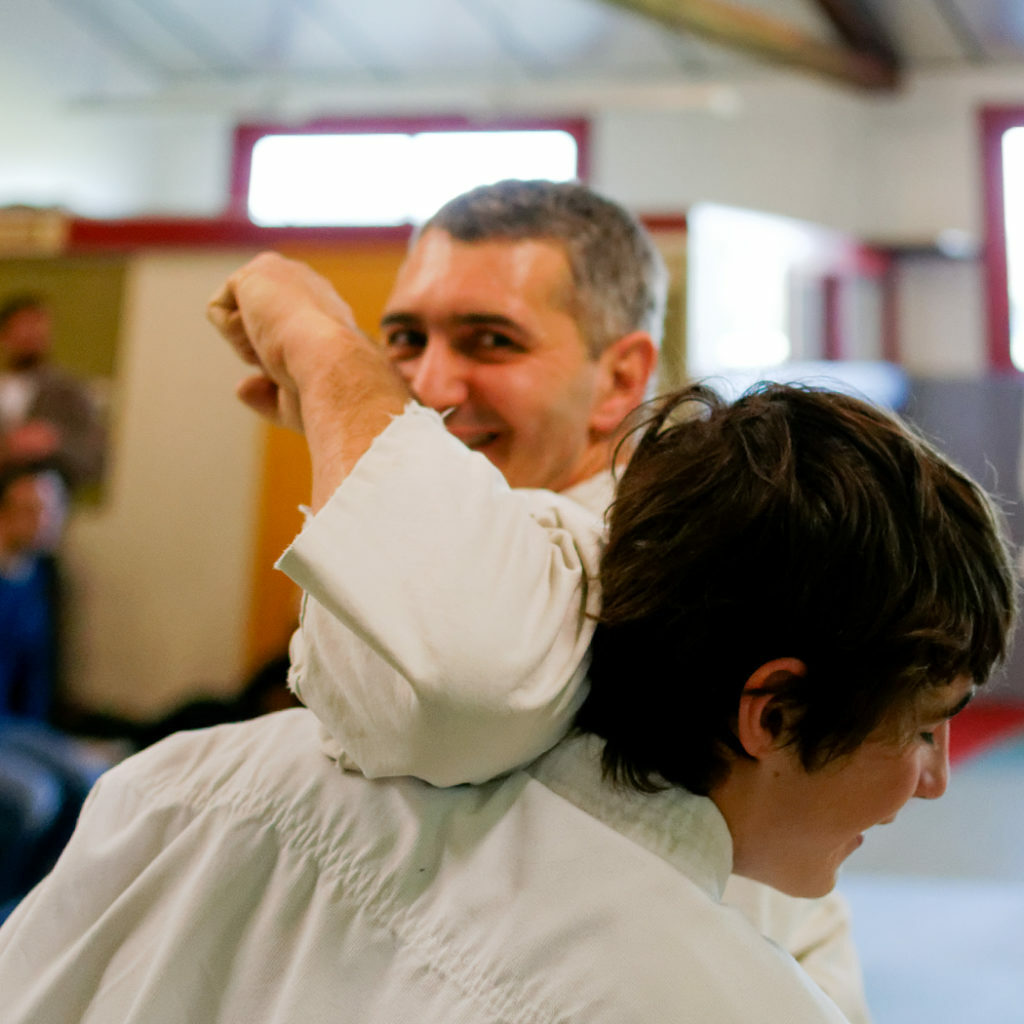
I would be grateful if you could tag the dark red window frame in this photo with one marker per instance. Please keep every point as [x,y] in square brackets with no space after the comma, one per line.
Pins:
[995,122]
[247,135]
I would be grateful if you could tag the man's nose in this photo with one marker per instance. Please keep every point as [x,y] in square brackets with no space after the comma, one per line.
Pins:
[439,376]
[934,777]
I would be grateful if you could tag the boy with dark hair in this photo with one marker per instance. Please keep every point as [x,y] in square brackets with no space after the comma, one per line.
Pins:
[236,874]
[790,488]
[808,583]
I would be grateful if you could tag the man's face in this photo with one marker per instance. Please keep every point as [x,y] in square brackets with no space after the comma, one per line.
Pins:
[21,515]
[486,329]
[25,339]
[819,817]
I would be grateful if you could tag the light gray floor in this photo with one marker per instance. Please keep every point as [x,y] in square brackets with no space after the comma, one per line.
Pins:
[938,901]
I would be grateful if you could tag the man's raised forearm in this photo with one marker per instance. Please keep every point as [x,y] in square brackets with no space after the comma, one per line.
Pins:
[314,370]
[344,405]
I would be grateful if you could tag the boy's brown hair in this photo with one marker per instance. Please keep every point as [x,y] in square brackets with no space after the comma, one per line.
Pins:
[795,522]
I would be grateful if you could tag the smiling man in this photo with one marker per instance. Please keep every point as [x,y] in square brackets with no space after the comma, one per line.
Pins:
[530,311]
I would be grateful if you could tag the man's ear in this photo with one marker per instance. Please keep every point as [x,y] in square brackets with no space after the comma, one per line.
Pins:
[624,369]
[762,724]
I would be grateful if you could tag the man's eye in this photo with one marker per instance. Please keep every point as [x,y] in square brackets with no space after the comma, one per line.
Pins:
[494,341]
[404,344]
[928,737]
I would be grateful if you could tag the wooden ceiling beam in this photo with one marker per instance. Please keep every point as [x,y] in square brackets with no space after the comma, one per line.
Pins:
[769,39]
[859,27]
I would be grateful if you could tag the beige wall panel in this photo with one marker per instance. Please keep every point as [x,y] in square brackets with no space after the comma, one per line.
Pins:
[160,572]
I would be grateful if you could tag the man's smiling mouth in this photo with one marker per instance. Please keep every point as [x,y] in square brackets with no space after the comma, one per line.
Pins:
[476,438]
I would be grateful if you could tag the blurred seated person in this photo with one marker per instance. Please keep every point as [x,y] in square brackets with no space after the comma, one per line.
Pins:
[45,776]
[28,650]
[263,691]
[47,415]
[745,714]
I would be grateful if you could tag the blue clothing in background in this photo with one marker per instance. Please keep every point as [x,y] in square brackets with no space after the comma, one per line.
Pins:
[27,639]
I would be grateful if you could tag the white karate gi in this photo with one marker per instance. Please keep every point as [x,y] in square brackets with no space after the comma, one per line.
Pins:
[237,876]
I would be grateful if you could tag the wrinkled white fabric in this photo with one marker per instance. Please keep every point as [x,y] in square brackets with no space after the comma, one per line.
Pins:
[445,624]
[237,876]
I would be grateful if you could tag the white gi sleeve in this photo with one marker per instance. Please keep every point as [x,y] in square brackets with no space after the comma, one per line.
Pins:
[445,621]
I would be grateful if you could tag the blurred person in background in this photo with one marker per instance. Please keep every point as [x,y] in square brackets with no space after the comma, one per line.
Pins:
[27,627]
[47,415]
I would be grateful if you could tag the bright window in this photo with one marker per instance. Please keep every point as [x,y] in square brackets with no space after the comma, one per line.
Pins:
[1003,166]
[366,178]
[1013,220]
[764,290]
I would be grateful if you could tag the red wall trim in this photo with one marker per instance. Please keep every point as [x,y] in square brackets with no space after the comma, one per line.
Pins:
[995,121]
[247,135]
[890,316]
[832,297]
[155,232]
[86,235]
[663,221]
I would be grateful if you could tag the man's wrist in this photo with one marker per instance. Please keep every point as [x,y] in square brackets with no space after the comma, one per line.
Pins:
[326,346]
[344,404]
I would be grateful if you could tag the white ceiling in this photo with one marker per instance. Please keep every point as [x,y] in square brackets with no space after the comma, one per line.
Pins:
[299,57]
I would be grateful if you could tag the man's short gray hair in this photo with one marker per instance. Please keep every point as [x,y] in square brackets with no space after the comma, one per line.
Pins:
[620,278]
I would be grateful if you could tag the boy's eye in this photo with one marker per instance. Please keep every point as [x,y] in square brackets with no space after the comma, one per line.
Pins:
[928,737]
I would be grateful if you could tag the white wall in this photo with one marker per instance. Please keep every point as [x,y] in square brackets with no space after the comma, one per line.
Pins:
[922,156]
[899,167]
[790,147]
[111,161]
[92,167]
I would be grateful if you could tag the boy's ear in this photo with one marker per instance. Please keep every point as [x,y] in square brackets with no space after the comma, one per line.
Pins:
[762,724]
